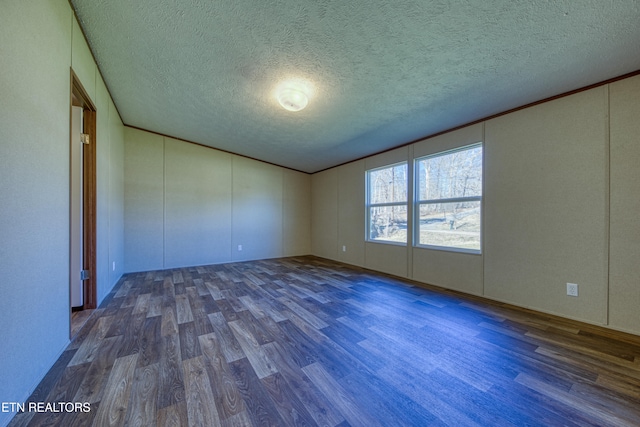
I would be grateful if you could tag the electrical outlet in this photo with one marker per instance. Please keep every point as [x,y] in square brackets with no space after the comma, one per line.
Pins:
[572,289]
[113,266]
[344,249]
[239,247]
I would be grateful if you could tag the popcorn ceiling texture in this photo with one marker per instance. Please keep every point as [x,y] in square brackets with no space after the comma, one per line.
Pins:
[385,72]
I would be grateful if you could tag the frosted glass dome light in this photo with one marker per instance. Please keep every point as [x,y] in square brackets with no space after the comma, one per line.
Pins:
[292,99]
[293,94]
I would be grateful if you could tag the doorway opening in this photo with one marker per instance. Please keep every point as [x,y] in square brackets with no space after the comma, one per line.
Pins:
[82,239]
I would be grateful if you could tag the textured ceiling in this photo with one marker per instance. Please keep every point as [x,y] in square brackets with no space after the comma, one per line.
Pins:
[384,72]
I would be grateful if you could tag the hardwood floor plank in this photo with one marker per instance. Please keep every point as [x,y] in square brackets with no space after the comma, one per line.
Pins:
[173,416]
[254,308]
[303,313]
[413,383]
[260,407]
[189,345]
[124,289]
[230,347]
[142,304]
[113,406]
[155,306]
[614,402]
[622,385]
[255,328]
[169,325]
[209,304]
[201,407]
[597,411]
[292,411]
[227,398]
[149,340]
[232,297]
[133,335]
[168,288]
[183,309]
[142,406]
[196,301]
[171,390]
[227,310]
[120,320]
[339,398]
[271,309]
[214,291]
[200,286]
[348,340]
[177,277]
[322,411]
[384,402]
[241,419]
[81,335]
[261,364]
[94,381]
[301,349]
[88,350]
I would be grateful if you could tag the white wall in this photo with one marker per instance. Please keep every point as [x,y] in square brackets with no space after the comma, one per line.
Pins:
[189,205]
[40,42]
[560,205]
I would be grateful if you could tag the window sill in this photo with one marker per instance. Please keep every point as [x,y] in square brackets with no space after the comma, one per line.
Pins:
[387,242]
[450,249]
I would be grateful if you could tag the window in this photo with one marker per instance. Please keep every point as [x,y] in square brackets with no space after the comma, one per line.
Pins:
[449,198]
[387,204]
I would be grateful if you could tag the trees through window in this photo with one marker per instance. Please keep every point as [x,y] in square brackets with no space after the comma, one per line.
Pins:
[387,203]
[448,199]
[447,203]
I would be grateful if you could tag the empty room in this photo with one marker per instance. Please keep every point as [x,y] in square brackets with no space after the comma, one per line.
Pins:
[244,213]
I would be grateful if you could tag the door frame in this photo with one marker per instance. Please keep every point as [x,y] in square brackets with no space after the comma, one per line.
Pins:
[80,97]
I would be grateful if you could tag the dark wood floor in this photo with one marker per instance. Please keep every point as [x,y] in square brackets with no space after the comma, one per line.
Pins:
[305,341]
[78,319]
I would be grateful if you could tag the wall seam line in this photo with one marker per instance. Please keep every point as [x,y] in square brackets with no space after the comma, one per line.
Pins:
[608,201]
[164,202]
[482,204]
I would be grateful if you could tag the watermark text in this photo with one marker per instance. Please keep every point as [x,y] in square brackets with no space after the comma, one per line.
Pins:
[45,407]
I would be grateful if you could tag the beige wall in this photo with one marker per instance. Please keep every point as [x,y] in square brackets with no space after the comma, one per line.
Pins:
[624,265]
[143,200]
[296,213]
[546,188]
[197,204]
[550,171]
[257,210]
[189,205]
[324,214]
[388,258]
[40,42]
[350,247]
[453,270]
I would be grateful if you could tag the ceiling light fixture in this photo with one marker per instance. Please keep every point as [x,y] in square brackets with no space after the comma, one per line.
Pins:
[293,95]
[292,99]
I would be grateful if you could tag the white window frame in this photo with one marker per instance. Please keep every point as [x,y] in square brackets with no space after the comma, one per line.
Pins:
[417,202]
[369,205]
